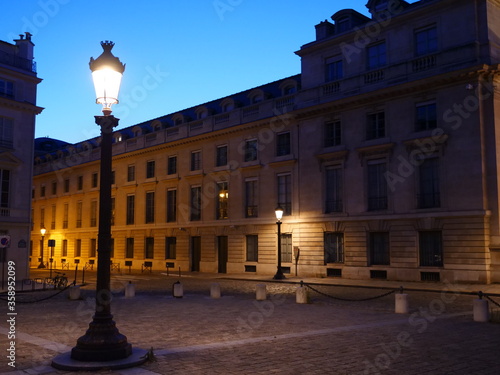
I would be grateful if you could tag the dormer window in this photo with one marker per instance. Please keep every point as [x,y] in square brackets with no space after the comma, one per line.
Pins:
[289,90]
[178,119]
[227,105]
[342,25]
[256,96]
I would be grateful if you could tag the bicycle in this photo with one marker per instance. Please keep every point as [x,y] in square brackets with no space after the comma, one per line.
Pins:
[60,281]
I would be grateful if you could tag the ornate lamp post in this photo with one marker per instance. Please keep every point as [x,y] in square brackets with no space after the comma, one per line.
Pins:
[102,342]
[42,232]
[279,272]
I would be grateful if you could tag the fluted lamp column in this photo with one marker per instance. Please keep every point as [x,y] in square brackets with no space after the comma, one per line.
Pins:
[103,346]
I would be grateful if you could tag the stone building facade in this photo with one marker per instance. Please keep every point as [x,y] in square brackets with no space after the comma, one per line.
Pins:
[382,153]
[18,87]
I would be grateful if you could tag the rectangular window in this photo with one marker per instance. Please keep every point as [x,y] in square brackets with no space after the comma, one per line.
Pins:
[431,249]
[113,176]
[286,248]
[429,192]
[149,248]
[130,209]
[64,249]
[222,200]
[79,213]
[195,160]
[150,207]
[42,191]
[377,186]
[129,248]
[65,215]
[171,205]
[6,89]
[283,144]
[426,116]
[172,165]
[78,248]
[379,248]
[42,217]
[93,248]
[221,157]
[4,188]
[113,205]
[66,185]
[285,193]
[375,127]
[376,56]
[334,247]
[93,213]
[95,179]
[426,41]
[251,198]
[333,190]
[332,134]
[53,217]
[252,248]
[6,132]
[251,150]
[195,203]
[150,169]
[130,173]
[334,70]
[170,247]
[80,183]
[54,187]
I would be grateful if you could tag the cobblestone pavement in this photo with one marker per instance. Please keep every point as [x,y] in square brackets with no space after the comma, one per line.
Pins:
[236,334]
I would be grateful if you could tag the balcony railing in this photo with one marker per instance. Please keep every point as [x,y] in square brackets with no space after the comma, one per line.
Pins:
[17,62]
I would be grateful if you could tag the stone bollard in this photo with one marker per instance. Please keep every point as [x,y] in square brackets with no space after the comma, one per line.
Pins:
[74,292]
[215,290]
[177,291]
[130,290]
[301,294]
[401,302]
[260,293]
[480,310]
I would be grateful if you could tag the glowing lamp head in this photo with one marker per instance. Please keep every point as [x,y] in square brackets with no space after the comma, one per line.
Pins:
[107,71]
[279,213]
[43,231]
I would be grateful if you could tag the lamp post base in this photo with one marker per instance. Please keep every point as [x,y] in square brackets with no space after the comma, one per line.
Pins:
[66,362]
[279,275]
[101,342]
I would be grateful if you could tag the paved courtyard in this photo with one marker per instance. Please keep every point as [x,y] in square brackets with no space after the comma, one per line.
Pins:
[236,334]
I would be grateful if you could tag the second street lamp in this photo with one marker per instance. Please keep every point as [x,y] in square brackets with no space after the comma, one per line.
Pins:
[279,272]
[103,343]
[42,232]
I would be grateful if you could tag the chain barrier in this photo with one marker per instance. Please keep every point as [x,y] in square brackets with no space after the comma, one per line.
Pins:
[491,299]
[42,299]
[347,299]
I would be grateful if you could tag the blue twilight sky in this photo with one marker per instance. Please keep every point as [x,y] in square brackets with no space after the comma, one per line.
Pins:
[178,53]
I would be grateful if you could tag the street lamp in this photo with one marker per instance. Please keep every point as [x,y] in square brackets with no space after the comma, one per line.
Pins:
[279,272]
[102,343]
[42,231]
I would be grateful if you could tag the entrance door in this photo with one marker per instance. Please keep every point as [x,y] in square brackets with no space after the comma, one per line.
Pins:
[195,253]
[222,250]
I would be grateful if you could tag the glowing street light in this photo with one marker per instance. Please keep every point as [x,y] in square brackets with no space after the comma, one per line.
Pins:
[279,272]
